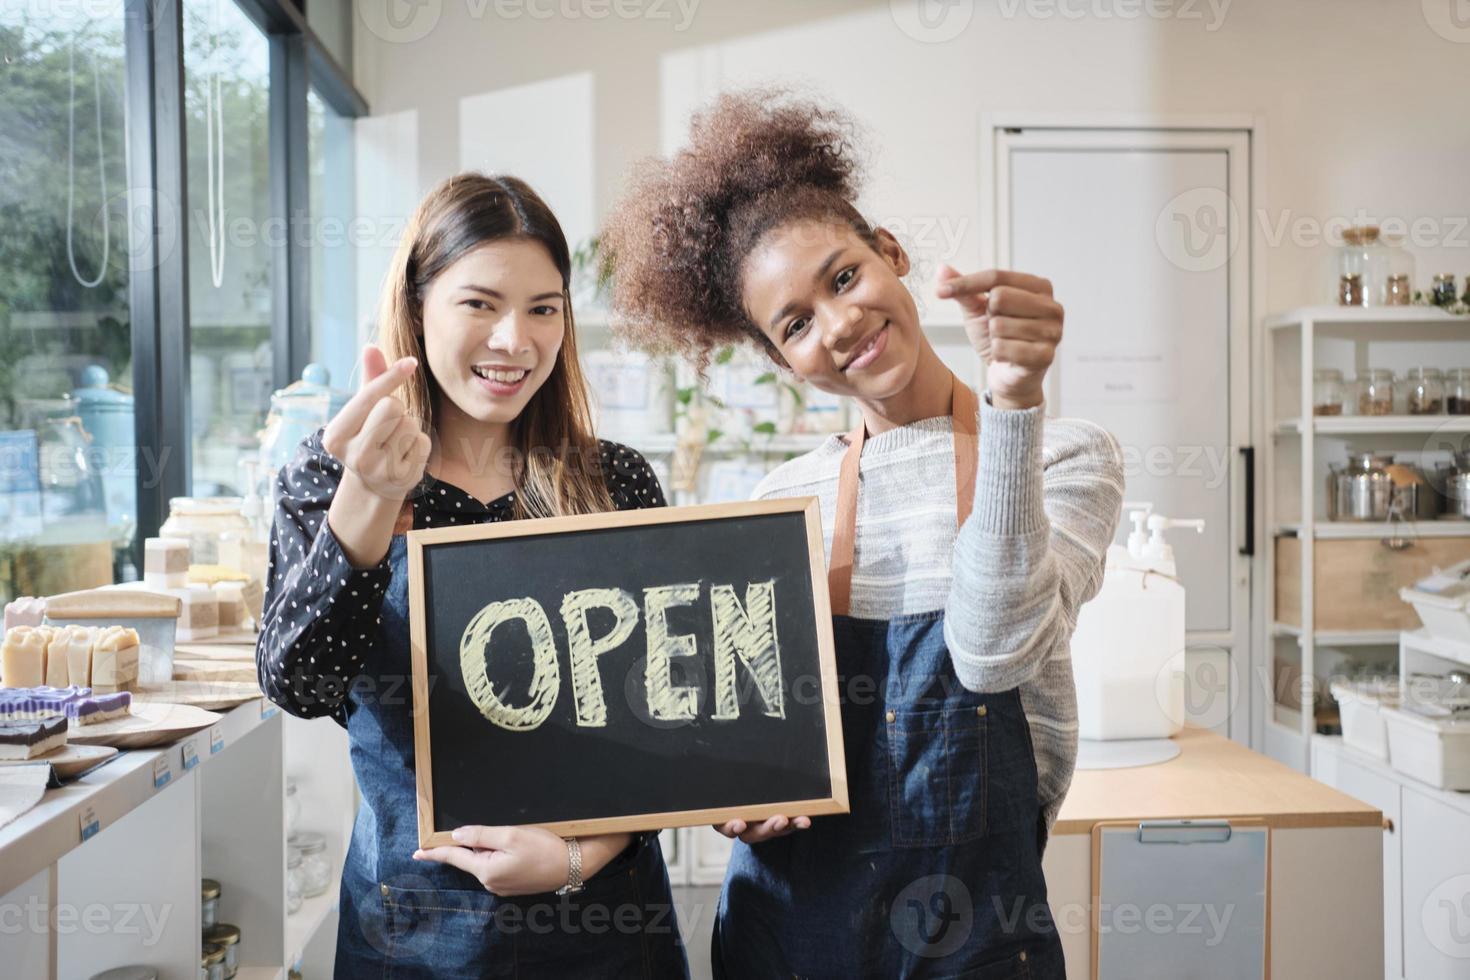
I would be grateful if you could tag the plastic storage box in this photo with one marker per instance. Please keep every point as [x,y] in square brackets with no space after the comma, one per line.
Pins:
[1435,750]
[1359,704]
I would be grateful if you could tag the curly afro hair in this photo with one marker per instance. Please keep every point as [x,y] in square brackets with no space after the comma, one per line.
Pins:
[674,246]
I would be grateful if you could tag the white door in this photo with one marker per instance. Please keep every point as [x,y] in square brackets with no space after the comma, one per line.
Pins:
[1140,232]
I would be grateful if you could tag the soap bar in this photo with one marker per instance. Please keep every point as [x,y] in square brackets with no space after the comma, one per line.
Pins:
[23,656]
[115,660]
[56,672]
[24,611]
[214,574]
[31,739]
[231,596]
[79,655]
[165,563]
[79,704]
[200,616]
[165,556]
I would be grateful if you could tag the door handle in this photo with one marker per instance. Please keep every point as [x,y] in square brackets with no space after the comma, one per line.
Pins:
[1248,458]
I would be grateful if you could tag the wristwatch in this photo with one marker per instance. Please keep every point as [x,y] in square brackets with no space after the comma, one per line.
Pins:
[574,868]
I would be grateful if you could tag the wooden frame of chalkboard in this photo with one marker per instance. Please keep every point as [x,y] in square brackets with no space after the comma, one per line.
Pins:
[789,536]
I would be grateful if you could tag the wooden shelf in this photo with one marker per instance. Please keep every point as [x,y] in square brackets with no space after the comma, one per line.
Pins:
[1340,638]
[1375,425]
[1363,315]
[1373,530]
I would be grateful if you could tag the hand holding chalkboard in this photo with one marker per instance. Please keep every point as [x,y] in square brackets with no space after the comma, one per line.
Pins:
[625,672]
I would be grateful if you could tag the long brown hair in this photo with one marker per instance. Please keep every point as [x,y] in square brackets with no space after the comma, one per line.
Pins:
[556,456]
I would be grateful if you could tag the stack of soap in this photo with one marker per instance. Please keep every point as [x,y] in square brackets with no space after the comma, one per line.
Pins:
[31,739]
[25,611]
[79,704]
[200,618]
[23,656]
[232,611]
[165,563]
[115,660]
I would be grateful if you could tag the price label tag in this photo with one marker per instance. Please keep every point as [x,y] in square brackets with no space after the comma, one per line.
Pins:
[163,773]
[191,755]
[267,709]
[216,740]
[89,822]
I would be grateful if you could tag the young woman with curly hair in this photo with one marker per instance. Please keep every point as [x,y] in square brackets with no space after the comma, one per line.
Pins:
[955,574]
[474,410]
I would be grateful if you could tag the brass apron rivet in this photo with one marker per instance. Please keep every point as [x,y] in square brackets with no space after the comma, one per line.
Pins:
[891,717]
[980,711]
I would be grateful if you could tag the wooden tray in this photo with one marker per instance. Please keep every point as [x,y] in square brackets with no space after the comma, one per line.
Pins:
[233,636]
[68,760]
[232,671]
[231,652]
[151,723]
[210,695]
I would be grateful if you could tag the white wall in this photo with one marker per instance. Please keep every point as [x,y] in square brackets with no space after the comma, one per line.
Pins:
[1362,101]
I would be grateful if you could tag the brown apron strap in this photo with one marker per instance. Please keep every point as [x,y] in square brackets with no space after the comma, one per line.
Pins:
[964,408]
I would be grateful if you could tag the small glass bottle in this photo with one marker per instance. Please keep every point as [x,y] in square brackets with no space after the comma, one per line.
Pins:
[1443,293]
[1457,391]
[1399,291]
[227,938]
[211,962]
[1375,392]
[1327,392]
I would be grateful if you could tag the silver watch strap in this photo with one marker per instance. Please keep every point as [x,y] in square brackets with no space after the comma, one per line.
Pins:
[574,868]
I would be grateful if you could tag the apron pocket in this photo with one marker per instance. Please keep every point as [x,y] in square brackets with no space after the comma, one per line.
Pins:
[936,775]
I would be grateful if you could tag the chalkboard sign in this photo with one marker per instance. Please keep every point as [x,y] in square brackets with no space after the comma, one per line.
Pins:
[626,671]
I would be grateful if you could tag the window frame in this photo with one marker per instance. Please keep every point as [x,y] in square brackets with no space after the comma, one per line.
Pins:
[158,295]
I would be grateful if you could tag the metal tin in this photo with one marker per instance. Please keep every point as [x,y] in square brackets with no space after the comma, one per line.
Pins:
[1360,491]
[127,973]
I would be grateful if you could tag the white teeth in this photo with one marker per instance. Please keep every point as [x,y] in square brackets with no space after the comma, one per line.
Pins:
[502,376]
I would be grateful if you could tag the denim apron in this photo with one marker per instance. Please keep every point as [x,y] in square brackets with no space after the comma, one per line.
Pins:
[936,871]
[414,919]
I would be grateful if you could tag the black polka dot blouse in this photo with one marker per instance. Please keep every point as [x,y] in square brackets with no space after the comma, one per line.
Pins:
[321,622]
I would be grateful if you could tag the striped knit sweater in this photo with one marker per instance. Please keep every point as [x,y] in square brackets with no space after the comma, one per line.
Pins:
[1047,501]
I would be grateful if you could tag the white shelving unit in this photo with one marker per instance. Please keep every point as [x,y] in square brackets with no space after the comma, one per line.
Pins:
[132,887]
[1295,468]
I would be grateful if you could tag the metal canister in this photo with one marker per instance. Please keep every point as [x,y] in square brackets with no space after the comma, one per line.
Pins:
[1362,490]
[1413,496]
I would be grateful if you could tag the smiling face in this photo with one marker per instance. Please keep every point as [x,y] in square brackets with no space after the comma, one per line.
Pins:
[493,326]
[835,307]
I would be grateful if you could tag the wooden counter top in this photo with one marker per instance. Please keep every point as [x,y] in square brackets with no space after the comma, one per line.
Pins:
[1211,777]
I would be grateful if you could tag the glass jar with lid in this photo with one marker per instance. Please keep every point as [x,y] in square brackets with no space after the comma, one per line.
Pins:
[293,880]
[1375,392]
[203,522]
[211,962]
[1327,392]
[1457,391]
[208,902]
[316,868]
[227,938]
[1362,263]
[1426,391]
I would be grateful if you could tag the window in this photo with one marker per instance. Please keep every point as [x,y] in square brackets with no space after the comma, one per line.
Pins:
[67,459]
[330,199]
[231,238]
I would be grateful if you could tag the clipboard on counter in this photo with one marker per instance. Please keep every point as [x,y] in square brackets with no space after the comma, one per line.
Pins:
[1173,892]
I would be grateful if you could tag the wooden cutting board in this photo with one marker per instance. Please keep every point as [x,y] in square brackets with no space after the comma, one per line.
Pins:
[68,760]
[210,695]
[234,671]
[150,723]
[208,651]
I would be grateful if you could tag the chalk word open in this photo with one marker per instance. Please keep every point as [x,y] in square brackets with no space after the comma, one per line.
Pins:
[741,632]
